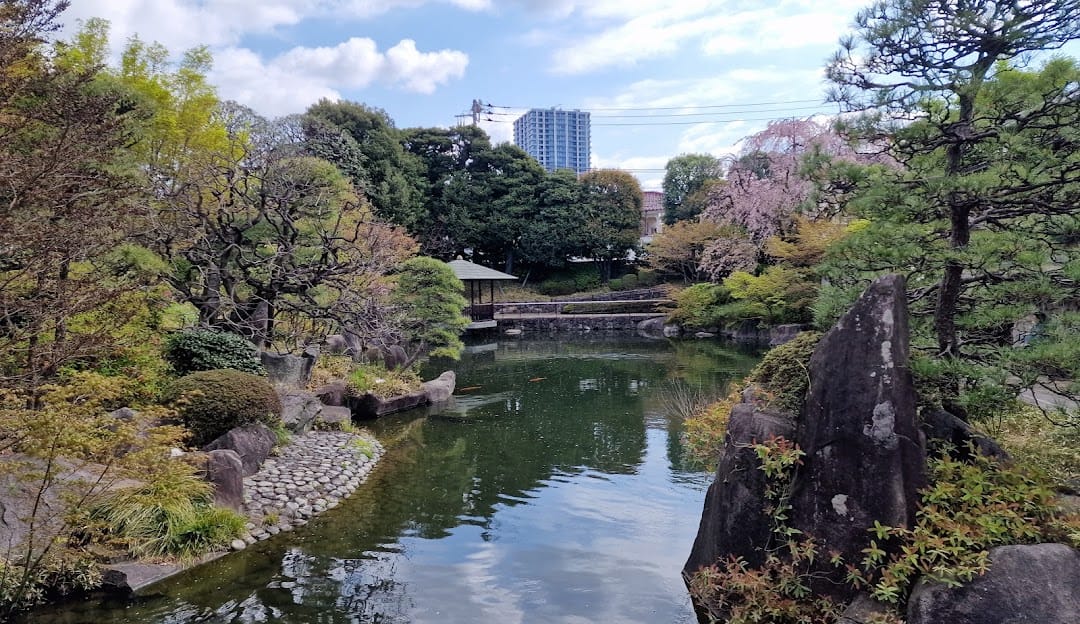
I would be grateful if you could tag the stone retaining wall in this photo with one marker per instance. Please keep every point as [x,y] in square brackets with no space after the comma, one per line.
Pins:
[573,324]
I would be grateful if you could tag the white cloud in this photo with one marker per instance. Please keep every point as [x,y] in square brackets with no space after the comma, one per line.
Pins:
[271,90]
[302,75]
[180,24]
[628,32]
[422,72]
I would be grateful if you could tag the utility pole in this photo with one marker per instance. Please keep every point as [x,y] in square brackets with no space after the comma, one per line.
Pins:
[477,108]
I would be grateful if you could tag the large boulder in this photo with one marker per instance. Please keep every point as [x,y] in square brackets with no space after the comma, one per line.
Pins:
[864,610]
[225,471]
[865,460]
[394,357]
[298,408]
[252,443]
[652,328]
[1037,583]
[783,334]
[333,393]
[441,388]
[333,418]
[337,344]
[289,370]
[734,521]
[368,406]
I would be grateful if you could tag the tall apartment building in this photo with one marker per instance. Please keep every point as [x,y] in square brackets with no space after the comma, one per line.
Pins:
[558,139]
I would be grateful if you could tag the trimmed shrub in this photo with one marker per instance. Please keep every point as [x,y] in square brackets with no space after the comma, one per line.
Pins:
[555,287]
[617,284]
[586,280]
[203,349]
[211,403]
[647,277]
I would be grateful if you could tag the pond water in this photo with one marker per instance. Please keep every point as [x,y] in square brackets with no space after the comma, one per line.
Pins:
[555,490]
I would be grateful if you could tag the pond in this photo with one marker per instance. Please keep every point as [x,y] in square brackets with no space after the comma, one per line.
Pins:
[553,489]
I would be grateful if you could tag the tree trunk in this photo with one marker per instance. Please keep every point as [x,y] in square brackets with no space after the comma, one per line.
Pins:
[959,235]
[210,306]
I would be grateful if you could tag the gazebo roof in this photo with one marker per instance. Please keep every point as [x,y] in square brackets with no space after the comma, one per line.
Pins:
[465,270]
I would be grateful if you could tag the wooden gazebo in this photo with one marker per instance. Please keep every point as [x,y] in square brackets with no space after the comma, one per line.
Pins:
[477,279]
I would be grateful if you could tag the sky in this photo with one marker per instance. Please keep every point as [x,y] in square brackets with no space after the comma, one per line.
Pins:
[660,77]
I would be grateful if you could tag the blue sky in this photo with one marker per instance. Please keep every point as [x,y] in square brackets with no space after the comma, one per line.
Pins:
[424,61]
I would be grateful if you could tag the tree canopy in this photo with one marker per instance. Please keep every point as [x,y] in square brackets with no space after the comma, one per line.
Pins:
[981,213]
[684,176]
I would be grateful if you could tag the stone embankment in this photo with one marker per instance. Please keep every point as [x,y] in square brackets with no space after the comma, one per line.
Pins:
[308,476]
[313,473]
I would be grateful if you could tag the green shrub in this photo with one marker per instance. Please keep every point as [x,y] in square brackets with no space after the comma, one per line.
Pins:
[202,350]
[778,295]
[617,284]
[647,277]
[210,403]
[55,575]
[699,305]
[784,372]
[554,287]
[586,280]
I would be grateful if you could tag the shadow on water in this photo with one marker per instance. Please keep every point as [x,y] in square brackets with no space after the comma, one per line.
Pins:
[552,491]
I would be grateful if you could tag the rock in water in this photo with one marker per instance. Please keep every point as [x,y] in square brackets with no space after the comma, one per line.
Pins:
[1038,583]
[734,521]
[441,388]
[865,460]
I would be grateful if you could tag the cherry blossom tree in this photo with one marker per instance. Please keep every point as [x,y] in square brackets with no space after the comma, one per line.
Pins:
[769,182]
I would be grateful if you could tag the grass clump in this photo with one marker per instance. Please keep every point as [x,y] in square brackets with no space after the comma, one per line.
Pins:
[364,446]
[706,427]
[170,516]
[780,380]
[210,403]
[329,368]
[1038,442]
[383,383]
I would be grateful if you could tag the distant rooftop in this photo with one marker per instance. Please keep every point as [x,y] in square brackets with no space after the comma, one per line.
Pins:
[465,270]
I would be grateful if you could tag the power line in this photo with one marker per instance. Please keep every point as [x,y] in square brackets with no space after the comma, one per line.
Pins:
[649,108]
[664,115]
[700,121]
[680,123]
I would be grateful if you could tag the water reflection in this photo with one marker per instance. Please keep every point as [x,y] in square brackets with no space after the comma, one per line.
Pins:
[553,492]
